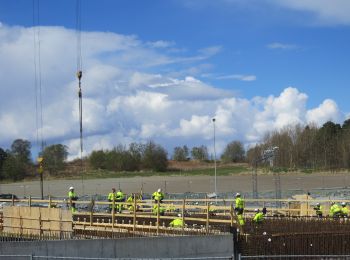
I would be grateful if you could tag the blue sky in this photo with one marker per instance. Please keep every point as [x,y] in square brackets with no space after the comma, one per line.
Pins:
[161,70]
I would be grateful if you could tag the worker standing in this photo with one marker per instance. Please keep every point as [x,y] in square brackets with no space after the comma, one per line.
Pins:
[72,196]
[158,196]
[344,210]
[318,208]
[111,198]
[239,208]
[120,197]
[177,223]
[259,217]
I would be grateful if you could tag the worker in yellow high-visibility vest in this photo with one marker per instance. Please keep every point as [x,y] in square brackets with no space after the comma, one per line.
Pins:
[111,198]
[177,223]
[72,196]
[120,197]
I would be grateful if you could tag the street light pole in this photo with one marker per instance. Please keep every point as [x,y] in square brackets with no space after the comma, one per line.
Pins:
[214,159]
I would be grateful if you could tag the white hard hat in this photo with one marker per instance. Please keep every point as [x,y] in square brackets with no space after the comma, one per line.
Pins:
[71,188]
[238,194]
[318,204]
[343,204]
[256,210]
[179,215]
[159,190]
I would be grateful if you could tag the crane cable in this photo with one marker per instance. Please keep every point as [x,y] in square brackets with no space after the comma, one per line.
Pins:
[38,89]
[79,76]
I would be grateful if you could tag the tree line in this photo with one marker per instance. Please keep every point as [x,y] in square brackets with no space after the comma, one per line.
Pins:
[308,147]
[299,147]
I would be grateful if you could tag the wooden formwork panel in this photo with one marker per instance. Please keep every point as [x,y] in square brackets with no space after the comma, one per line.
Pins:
[37,221]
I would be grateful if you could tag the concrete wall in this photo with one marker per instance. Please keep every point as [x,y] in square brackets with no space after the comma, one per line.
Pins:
[154,247]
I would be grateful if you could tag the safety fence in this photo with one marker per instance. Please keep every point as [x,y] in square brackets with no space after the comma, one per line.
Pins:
[201,216]
[303,206]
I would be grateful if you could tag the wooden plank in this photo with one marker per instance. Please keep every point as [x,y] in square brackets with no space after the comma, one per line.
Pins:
[66,224]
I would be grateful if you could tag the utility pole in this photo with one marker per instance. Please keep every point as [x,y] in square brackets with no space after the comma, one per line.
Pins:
[40,161]
[215,187]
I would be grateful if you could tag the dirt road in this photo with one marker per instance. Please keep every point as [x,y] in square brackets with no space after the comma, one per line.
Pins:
[179,184]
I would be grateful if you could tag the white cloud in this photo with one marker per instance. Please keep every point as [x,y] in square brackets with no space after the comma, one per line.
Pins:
[123,102]
[238,77]
[160,44]
[327,111]
[282,46]
[325,11]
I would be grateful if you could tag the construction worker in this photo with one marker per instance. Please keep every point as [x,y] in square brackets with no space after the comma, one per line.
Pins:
[119,197]
[111,198]
[259,216]
[161,210]
[239,207]
[177,223]
[318,209]
[158,196]
[131,200]
[212,210]
[240,219]
[344,210]
[335,210]
[72,196]
[170,208]
[264,211]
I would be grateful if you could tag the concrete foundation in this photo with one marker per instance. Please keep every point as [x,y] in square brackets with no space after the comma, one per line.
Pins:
[151,247]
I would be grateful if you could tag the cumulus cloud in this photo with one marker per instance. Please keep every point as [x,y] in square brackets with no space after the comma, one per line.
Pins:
[124,102]
[327,111]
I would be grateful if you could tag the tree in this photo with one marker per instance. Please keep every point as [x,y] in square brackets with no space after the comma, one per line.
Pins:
[21,149]
[97,159]
[154,157]
[13,168]
[180,153]
[328,140]
[3,156]
[234,152]
[54,157]
[200,153]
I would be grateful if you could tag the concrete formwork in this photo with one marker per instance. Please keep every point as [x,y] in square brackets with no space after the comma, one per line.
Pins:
[154,247]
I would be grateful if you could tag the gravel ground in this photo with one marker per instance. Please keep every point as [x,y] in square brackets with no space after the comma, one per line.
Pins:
[290,183]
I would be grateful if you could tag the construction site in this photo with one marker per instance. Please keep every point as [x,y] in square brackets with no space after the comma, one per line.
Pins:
[290,229]
[298,211]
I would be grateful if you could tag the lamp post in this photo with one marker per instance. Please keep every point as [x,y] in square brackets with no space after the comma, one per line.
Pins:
[214,159]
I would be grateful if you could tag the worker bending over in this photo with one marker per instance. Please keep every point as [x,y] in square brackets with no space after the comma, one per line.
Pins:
[318,209]
[177,223]
[259,216]
[344,210]
[335,210]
